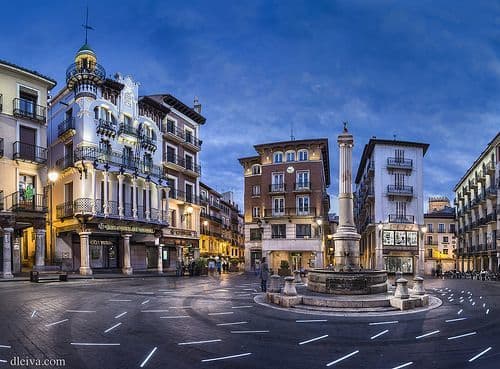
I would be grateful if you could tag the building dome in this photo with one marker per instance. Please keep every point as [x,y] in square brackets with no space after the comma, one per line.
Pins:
[85,74]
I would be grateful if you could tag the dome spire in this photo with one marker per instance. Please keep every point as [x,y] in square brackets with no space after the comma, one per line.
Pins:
[86,26]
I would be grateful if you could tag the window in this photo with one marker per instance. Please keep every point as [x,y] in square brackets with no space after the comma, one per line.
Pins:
[278,180]
[96,112]
[278,206]
[256,169]
[171,155]
[441,228]
[170,126]
[278,230]
[127,120]
[278,157]
[429,240]
[400,155]
[302,230]
[290,156]
[189,162]
[256,190]
[303,155]
[302,205]
[445,251]
[452,228]
[189,192]
[445,239]
[429,253]
[302,180]
[188,136]
[255,234]
[256,212]
[429,228]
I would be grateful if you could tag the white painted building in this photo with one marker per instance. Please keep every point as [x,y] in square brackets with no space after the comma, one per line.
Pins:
[389,205]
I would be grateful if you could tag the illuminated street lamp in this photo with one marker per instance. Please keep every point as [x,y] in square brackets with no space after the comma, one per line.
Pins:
[52,176]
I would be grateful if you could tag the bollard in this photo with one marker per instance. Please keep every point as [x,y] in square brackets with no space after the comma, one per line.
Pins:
[296,276]
[402,289]
[275,283]
[418,286]
[289,289]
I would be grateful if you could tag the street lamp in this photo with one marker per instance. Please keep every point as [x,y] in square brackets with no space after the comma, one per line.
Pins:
[52,176]
[421,251]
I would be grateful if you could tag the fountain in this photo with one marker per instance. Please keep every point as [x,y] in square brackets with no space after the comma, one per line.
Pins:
[347,278]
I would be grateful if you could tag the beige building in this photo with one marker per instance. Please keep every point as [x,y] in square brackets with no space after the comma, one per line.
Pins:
[477,201]
[439,239]
[23,164]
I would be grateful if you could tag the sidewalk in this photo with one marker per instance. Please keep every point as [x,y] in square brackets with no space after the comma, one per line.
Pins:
[25,276]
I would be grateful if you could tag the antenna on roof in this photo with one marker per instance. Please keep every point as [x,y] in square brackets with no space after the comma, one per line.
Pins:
[86,25]
[292,137]
[394,136]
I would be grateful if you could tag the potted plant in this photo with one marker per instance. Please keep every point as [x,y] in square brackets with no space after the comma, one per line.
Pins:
[284,270]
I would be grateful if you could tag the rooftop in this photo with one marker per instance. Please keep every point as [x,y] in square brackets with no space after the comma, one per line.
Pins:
[51,82]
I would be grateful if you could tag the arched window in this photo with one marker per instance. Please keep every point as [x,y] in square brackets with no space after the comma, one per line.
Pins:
[278,157]
[256,169]
[303,155]
[96,112]
[290,156]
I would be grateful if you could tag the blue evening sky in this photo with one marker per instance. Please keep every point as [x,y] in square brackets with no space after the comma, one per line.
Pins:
[425,71]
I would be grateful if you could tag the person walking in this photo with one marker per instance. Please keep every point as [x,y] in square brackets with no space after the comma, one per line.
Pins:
[264,274]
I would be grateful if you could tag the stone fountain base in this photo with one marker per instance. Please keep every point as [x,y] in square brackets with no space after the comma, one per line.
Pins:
[364,282]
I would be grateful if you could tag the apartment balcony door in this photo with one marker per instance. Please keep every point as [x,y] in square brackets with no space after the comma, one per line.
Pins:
[278,182]
[278,206]
[302,180]
[27,138]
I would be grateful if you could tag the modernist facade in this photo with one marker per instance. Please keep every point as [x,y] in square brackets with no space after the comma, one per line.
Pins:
[389,209]
[286,203]
[221,225]
[181,156]
[440,236]
[23,164]
[477,202]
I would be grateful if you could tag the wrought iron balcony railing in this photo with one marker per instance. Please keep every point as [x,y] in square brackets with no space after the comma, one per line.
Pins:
[87,70]
[106,127]
[284,212]
[400,190]
[302,186]
[27,109]
[24,201]
[65,126]
[399,163]
[277,187]
[28,152]
[398,218]
[128,129]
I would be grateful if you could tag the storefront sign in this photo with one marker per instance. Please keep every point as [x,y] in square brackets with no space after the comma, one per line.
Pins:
[100,242]
[122,228]
[400,238]
[181,232]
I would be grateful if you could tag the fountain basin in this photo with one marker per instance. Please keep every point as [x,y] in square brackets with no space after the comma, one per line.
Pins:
[363,282]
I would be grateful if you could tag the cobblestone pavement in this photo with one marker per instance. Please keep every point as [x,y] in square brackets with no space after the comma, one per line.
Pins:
[213,322]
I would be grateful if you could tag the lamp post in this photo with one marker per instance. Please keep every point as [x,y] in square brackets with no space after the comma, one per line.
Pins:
[319,264]
[421,253]
[52,176]
[379,250]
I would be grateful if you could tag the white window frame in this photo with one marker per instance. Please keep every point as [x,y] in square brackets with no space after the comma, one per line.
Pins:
[290,152]
[256,214]
[304,211]
[275,155]
[302,151]
[303,184]
[259,170]
[282,207]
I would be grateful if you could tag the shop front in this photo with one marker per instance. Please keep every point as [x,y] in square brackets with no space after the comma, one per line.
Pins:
[400,249]
[181,245]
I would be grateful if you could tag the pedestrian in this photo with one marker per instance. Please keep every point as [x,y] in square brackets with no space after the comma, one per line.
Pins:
[211,266]
[264,275]
[218,265]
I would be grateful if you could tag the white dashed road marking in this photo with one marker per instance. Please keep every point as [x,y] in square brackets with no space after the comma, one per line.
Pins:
[479,355]
[93,344]
[234,323]
[148,357]
[224,313]
[154,311]
[427,334]
[241,307]
[59,322]
[379,334]
[113,327]
[226,357]
[381,323]
[454,320]
[342,358]
[462,335]
[403,365]
[313,339]
[198,342]
[144,302]
[311,321]
[120,315]
[33,314]
[5,346]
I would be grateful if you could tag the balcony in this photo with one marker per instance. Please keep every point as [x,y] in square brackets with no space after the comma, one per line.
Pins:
[302,186]
[177,163]
[491,192]
[100,209]
[118,160]
[106,128]
[183,196]
[29,110]
[23,201]
[65,162]
[397,190]
[288,212]
[472,183]
[128,130]
[192,167]
[192,141]
[400,163]
[491,217]
[398,218]
[66,128]
[481,221]
[149,142]
[174,133]
[84,72]
[371,167]
[490,168]
[27,152]
[277,187]
[211,217]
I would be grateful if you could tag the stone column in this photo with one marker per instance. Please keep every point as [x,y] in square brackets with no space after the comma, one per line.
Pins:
[490,262]
[379,249]
[39,249]
[105,196]
[346,238]
[160,259]
[94,192]
[160,205]
[421,256]
[121,206]
[84,254]
[148,194]
[16,255]
[7,253]
[134,199]
[319,260]
[127,268]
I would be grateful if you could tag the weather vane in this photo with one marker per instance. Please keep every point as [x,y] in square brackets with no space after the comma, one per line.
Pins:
[345,126]
[86,25]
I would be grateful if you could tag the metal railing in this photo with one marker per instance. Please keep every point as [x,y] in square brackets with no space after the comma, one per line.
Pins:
[400,163]
[398,218]
[24,108]
[183,196]
[277,187]
[24,201]
[173,130]
[29,152]
[211,217]
[301,186]
[175,159]
[283,212]
[66,125]
[106,127]
[128,129]
[400,190]
[190,139]
[91,70]
[96,207]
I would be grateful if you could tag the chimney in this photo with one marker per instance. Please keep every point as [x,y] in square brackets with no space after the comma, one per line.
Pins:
[197,105]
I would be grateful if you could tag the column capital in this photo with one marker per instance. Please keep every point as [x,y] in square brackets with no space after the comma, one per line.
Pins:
[84,233]
[127,235]
[120,176]
[8,230]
